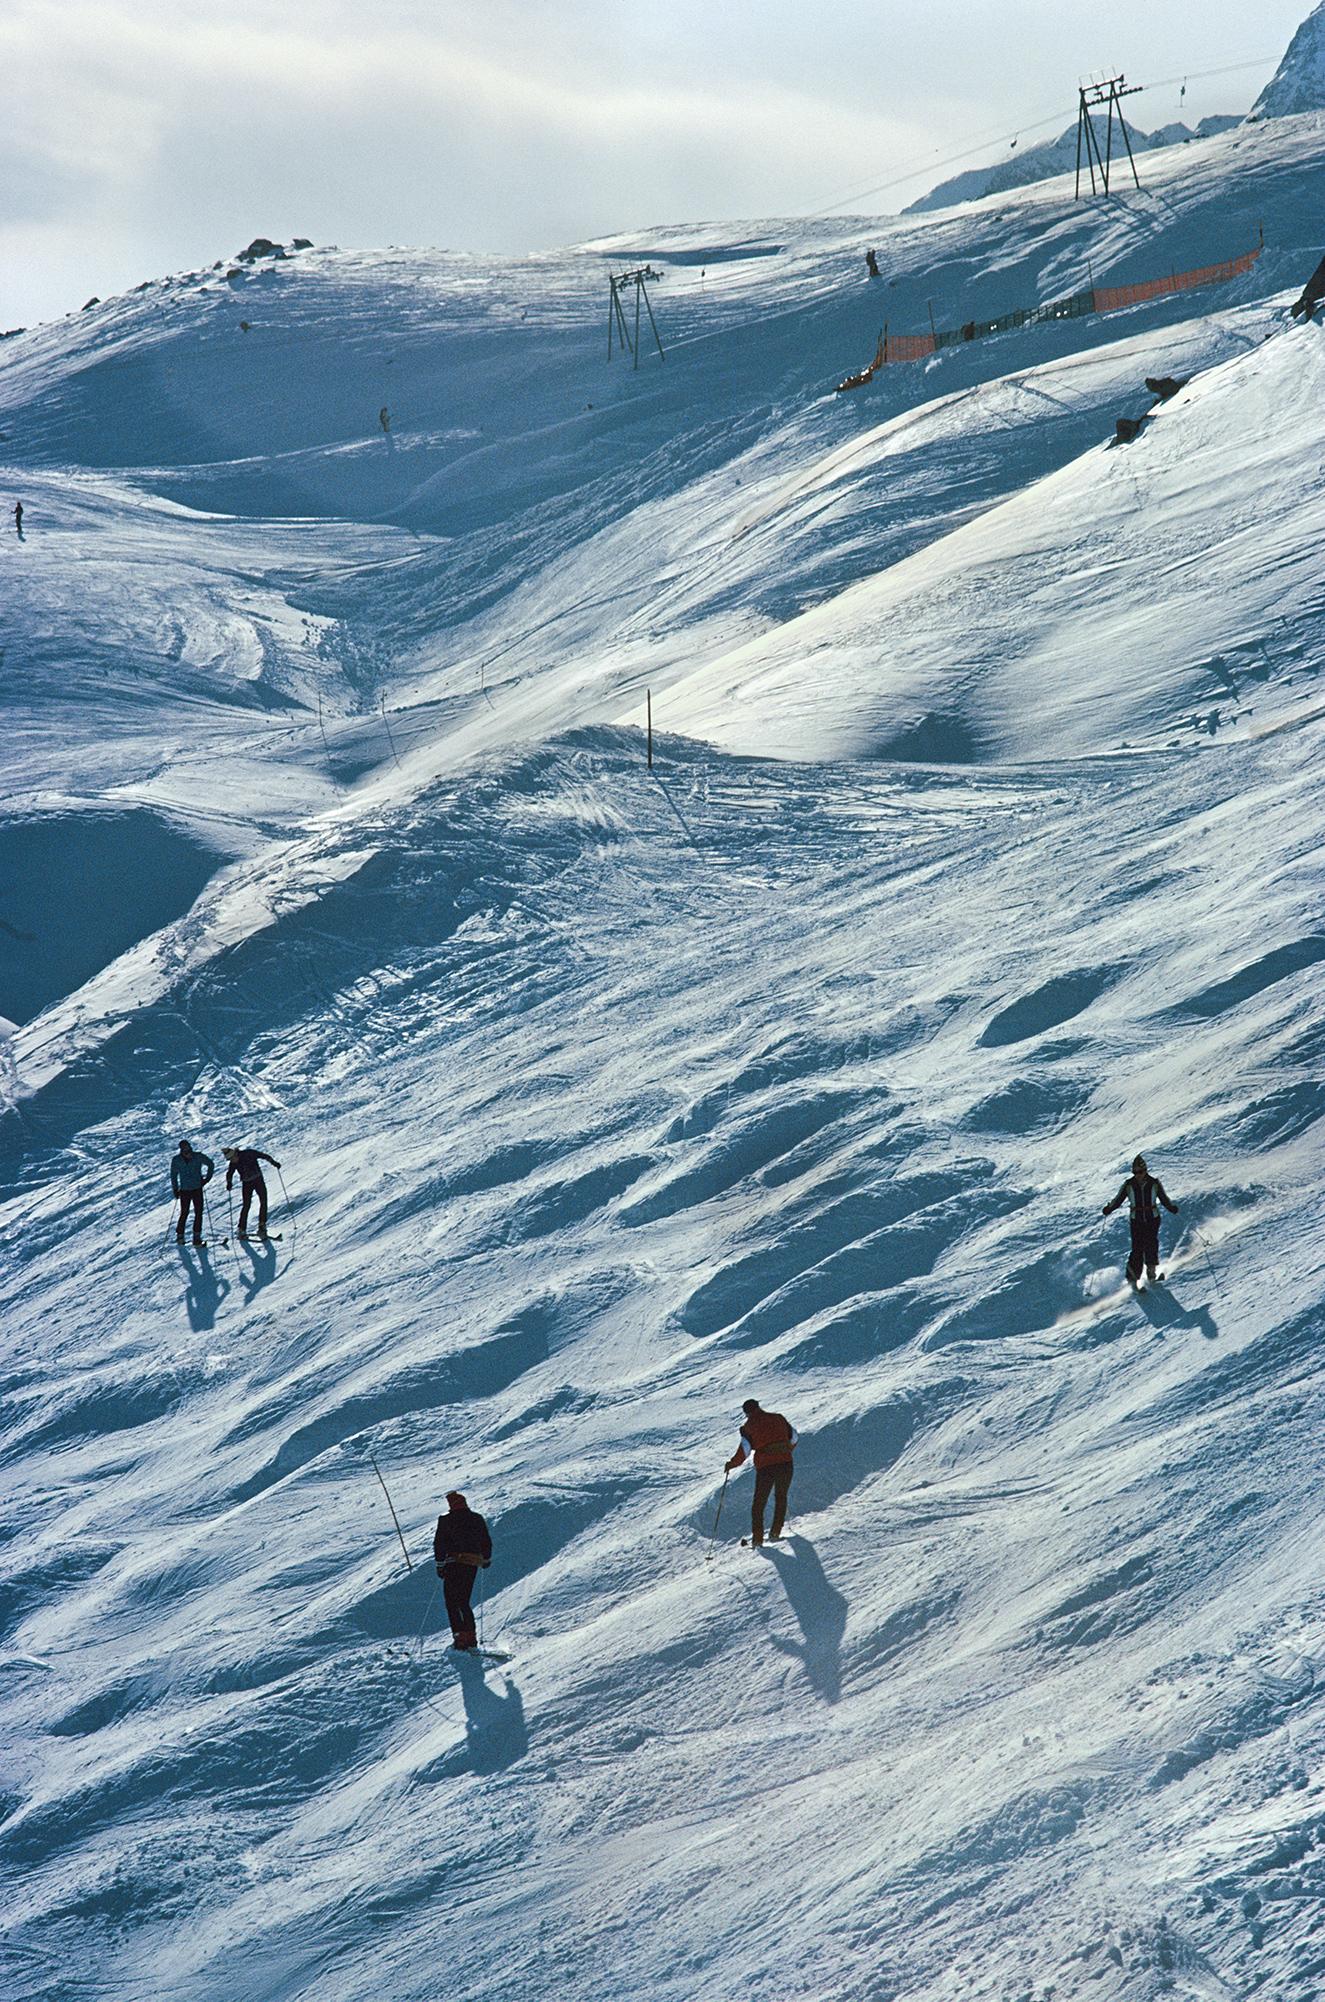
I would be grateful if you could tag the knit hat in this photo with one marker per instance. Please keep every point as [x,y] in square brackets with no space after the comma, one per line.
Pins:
[456,1500]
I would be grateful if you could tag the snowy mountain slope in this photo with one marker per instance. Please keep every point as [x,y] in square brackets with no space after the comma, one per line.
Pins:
[802,1127]
[611,547]
[982,644]
[1059,156]
[606,1098]
[1298,84]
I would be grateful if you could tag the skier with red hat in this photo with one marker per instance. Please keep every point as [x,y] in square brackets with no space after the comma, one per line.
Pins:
[461,1545]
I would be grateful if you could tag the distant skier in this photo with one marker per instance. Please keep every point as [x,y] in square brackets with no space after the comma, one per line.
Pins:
[772,1440]
[243,1161]
[190,1173]
[384,419]
[1143,1193]
[18,519]
[872,264]
[460,1546]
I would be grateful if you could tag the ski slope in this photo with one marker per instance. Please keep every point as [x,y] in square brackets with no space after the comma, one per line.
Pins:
[981,848]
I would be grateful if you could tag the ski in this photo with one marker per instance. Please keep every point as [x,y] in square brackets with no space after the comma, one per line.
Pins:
[272,1237]
[748,1544]
[193,1243]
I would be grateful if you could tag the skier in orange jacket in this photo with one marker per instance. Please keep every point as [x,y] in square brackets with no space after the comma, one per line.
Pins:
[772,1440]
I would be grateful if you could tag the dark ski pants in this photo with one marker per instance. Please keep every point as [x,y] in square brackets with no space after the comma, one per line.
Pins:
[249,1190]
[190,1199]
[458,1591]
[773,1481]
[1145,1246]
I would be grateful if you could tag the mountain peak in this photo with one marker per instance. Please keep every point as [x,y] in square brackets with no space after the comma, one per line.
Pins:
[1299,82]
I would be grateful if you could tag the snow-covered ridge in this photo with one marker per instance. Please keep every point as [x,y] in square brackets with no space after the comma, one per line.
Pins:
[607,1097]
[1299,82]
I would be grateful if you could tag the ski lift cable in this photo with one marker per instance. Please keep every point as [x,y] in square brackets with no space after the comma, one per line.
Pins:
[911,173]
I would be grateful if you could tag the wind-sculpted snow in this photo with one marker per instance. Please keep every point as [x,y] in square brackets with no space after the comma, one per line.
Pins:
[607,1097]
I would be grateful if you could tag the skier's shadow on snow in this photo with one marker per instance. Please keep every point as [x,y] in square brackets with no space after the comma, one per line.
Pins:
[1163,1311]
[494,1725]
[263,1257]
[204,1289]
[821,1610]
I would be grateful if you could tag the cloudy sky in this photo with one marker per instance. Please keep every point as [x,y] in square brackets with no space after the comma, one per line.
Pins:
[139,137]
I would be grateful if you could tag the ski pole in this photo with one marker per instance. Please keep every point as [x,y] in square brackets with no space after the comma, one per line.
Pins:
[437,1586]
[726,1476]
[289,1206]
[230,1213]
[394,1517]
[480,1605]
[1209,1267]
[171,1225]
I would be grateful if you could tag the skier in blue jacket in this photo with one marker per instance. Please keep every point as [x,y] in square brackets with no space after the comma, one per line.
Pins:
[190,1173]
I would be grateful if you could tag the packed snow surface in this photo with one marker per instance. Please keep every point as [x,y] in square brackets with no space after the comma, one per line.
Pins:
[981,848]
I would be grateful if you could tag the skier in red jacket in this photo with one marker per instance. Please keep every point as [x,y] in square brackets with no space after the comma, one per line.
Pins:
[772,1440]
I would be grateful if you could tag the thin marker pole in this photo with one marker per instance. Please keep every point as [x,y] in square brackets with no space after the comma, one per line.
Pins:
[390,739]
[648,698]
[394,1517]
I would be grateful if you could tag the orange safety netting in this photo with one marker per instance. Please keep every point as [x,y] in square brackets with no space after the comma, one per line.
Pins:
[908,347]
[1108,298]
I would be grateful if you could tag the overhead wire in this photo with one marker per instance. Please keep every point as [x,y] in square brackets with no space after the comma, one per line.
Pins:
[981,145]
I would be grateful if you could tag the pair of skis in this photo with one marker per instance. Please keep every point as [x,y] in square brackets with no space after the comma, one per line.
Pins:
[202,1243]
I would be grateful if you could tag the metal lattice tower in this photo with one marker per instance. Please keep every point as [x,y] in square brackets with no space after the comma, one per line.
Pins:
[1094,96]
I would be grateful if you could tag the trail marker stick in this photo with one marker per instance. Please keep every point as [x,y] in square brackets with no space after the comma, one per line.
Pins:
[394,1517]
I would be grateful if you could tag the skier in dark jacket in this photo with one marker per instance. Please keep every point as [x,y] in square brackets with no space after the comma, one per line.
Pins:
[243,1161]
[1143,1193]
[772,1440]
[189,1176]
[461,1545]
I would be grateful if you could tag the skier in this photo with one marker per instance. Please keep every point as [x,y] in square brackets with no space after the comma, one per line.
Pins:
[243,1161]
[18,518]
[872,264]
[1143,1193]
[189,1176]
[384,419]
[772,1439]
[460,1546]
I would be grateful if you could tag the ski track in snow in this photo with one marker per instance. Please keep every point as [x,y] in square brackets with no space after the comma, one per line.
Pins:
[981,849]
